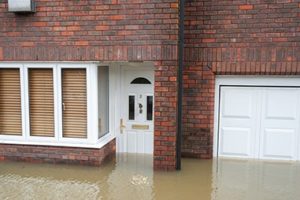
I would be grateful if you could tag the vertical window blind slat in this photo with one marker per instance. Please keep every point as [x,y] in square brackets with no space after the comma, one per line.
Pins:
[10,102]
[74,103]
[41,102]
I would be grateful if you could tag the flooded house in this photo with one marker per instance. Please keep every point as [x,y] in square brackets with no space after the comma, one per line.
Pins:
[82,80]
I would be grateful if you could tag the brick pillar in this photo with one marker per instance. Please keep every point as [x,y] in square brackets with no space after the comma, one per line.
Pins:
[165,115]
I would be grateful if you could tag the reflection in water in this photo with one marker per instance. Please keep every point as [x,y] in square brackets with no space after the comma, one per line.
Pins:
[131,177]
[20,187]
[256,180]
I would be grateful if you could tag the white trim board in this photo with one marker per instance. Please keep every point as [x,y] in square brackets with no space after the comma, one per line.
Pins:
[258,80]
[99,143]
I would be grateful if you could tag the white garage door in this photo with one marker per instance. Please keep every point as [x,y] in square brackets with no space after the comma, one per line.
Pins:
[259,122]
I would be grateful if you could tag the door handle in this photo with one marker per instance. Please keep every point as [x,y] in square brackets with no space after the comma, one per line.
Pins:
[122,126]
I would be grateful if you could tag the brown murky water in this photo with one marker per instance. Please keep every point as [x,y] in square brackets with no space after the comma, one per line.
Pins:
[132,177]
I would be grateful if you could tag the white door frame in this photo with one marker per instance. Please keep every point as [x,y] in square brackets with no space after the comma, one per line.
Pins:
[254,81]
[120,67]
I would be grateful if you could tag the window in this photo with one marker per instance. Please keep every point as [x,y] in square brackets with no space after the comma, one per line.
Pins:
[10,102]
[140,80]
[149,108]
[41,102]
[74,103]
[55,104]
[103,101]
[131,107]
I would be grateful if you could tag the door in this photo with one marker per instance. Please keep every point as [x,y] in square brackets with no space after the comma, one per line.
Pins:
[137,111]
[238,121]
[259,122]
[279,132]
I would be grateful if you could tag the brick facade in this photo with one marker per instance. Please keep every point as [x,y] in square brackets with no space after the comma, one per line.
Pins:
[52,154]
[232,38]
[104,30]
[255,37]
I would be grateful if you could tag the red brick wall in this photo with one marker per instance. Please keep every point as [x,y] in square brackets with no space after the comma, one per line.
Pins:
[255,37]
[51,154]
[104,30]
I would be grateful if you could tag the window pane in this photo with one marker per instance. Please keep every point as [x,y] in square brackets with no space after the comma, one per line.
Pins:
[140,80]
[149,107]
[41,102]
[74,103]
[103,100]
[10,102]
[131,107]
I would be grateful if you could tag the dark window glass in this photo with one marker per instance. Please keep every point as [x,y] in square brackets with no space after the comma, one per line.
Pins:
[131,107]
[149,107]
[140,80]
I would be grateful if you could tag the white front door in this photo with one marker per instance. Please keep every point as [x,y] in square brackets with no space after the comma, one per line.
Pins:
[259,122]
[137,111]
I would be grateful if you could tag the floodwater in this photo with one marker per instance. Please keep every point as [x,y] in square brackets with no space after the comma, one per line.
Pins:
[131,177]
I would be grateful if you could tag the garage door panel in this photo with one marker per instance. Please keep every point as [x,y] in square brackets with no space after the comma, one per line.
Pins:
[259,122]
[237,103]
[238,122]
[279,144]
[281,103]
[238,113]
[242,138]
[280,124]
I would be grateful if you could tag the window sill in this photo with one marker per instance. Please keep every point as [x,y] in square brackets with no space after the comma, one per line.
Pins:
[99,144]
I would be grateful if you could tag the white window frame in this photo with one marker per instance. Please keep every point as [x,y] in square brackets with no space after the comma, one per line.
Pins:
[25,84]
[23,116]
[92,140]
